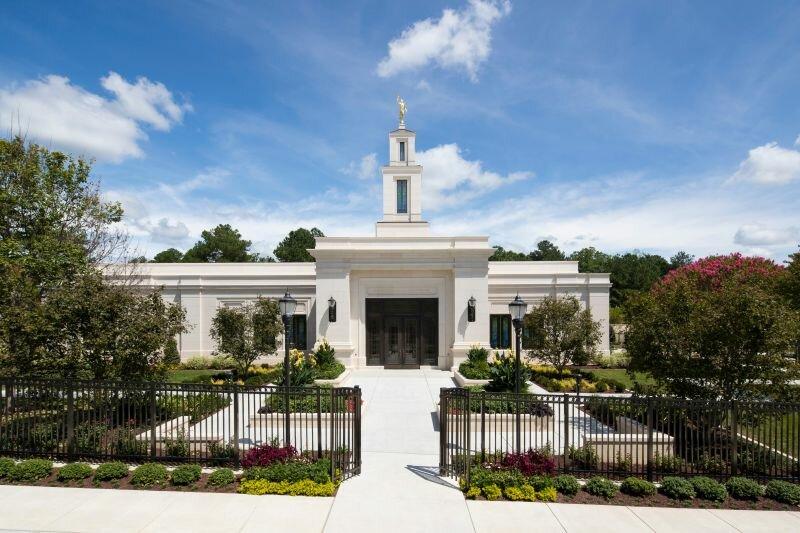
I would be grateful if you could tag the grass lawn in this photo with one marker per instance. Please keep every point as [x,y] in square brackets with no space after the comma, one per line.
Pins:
[183,376]
[620,374]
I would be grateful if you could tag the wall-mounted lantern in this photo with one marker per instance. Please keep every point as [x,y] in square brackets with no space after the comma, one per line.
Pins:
[471,309]
[331,310]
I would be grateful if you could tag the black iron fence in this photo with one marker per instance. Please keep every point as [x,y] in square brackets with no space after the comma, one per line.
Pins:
[620,436]
[173,423]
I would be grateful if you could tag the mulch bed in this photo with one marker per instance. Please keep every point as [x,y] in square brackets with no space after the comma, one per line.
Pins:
[659,500]
[125,484]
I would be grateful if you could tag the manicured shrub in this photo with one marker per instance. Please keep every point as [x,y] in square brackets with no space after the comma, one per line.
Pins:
[547,494]
[305,487]
[472,493]
[177,447]
[89,436]
[75,472]
[293,471]
[524,493]
[742,488]
[267,454]
[623,463]
[566,485]
[492,492]
[634,486]
[668,464]
[540,482]
[783,491]
[482,477]
[221,477]
[532,462]
[110,471]
[600,486]
[149,474]
[6,464]
[31,470]
[709,489]
[584,456]
[185,475]
[677,488]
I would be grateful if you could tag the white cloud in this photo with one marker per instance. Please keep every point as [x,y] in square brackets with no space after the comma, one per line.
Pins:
[423,85]
[760,235]
[53,110]
[169,232]
[797,141]
[449,180]
[769,164]
[460,39]
[364,169]
[146,101]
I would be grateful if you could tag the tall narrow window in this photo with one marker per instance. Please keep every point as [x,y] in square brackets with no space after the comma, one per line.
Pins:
[402,196]
[297,332]
[402,151]
[500,331]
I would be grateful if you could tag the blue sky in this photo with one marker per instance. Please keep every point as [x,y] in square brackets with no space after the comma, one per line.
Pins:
[617,125]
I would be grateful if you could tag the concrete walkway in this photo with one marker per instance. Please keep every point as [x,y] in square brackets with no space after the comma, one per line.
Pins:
[398,490]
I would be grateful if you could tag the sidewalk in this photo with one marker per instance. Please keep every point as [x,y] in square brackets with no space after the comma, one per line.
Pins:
[398,490]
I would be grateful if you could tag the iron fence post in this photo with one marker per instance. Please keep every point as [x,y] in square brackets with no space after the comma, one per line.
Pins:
[332,445]
[566,433]
[733,442]
[442,431]
[650,422]
[468,431]
[319,422]
[357,429]
[70,420]
[483,427]
[153,409]
[236,458]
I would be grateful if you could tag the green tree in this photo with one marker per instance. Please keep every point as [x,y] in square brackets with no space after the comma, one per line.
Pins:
[591,260]
[680,259]
[547,251]
[294,247]
[58,315]
[716,328]
[222,244]
[501,254]
[559,332]
[632,273]
[170,255]
[248,332]
[791,282]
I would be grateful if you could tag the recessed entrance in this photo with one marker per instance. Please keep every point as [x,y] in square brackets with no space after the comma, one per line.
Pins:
[402,332]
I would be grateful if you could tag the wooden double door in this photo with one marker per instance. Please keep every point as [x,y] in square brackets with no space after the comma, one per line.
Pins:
[402,332]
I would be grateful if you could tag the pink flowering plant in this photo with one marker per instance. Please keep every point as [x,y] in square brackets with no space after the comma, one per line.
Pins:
[717,328]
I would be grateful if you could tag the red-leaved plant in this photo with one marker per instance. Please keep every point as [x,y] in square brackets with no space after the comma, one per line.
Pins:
[530,463]
[267,454]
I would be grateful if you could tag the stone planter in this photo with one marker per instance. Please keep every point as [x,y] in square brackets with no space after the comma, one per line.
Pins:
[609,445]
[335,382]
[461,381]
[300,420]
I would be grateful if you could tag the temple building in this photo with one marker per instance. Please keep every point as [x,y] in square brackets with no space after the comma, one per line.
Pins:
[403,298]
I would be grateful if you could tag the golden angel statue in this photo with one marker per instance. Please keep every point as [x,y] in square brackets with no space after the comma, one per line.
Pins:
[401,109]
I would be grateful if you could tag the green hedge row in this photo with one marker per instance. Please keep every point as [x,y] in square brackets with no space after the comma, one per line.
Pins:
[495,484]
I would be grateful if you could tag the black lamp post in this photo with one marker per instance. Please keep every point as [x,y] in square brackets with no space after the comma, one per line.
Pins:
[287,306]
[517,308]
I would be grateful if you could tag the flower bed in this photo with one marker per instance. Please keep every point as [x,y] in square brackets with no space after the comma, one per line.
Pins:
[548,378]
[272,470]
[530,477]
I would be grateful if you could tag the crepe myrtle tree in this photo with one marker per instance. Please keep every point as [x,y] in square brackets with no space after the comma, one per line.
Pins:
[719,328]
[248,332]
[559,332]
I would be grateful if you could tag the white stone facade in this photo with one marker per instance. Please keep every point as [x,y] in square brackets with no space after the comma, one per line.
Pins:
[405,262]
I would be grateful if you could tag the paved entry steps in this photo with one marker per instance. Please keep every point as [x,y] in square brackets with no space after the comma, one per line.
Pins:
[397,491]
